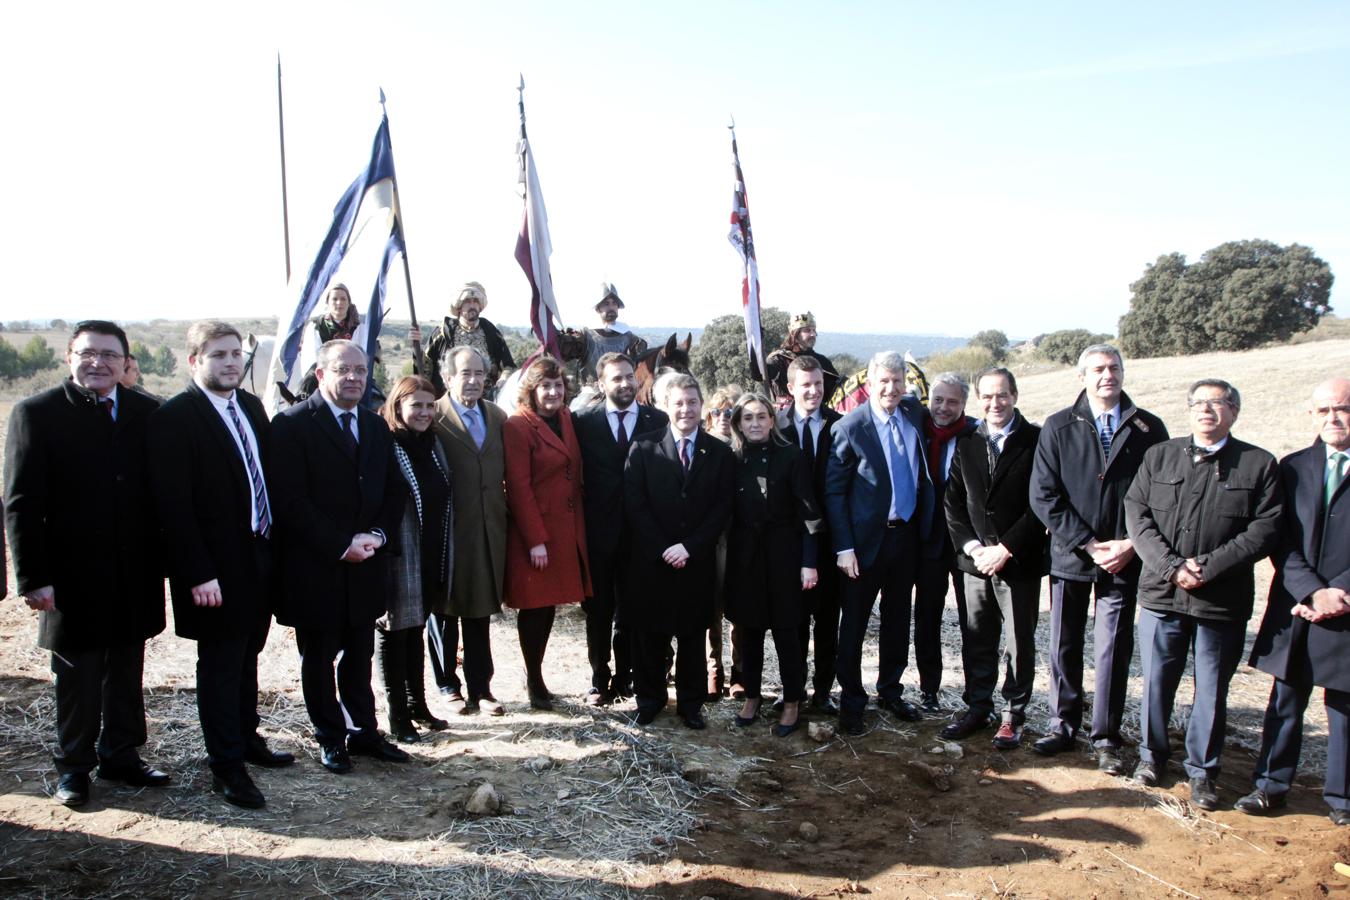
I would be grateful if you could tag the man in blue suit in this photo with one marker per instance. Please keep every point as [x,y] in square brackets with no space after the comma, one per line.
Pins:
[1304,639]
[880,501]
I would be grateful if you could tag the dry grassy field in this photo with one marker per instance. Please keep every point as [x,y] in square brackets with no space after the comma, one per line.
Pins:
[593,806]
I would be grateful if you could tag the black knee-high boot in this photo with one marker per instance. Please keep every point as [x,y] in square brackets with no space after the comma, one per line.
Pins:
[390,657]
[533,627]
[416,680]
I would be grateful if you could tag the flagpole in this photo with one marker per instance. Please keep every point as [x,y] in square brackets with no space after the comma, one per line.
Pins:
[751,273]
[407,275]
[285,209]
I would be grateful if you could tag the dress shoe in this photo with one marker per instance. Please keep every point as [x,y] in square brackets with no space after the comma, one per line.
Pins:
[646,715]
[1146,773]
[1109,761]
[1340,816]
[929,701]
[73,790]
[136,774]
[377,747]
[852,725]
[456,701]
[422,716]
[1053,743]
[965,726]
[621,690]
[747,721]
[541,701]
[781,730]
[403,731]
[1258,803]
[490,705]
[238,789]
[822,703]
[334,758]
[595,697]
[257,752]
[1008,736]
[902,709]
[1204,793]
[694,720]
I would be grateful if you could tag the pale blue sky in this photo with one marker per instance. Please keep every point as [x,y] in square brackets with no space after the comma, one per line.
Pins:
[917,167]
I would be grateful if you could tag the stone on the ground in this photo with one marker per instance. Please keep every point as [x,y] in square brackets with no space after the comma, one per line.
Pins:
[809,832]
[953,749]
[484,801]
[820,732]
[537,764]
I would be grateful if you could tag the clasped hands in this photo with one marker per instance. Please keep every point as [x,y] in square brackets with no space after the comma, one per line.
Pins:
[1111,555]
[363,547]
[1189,575]
[1327,603]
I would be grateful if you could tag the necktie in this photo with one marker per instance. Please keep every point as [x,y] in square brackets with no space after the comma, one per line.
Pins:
[995,448]
[684,453]
[623,432]
[902,483]
[347,430]
[1335,474]
[1107,434]
[254,474]
[106,405]
[471,416]
[808,445]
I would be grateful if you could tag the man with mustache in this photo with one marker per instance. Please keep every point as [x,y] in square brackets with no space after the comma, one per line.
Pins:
[466,327]
[609,336]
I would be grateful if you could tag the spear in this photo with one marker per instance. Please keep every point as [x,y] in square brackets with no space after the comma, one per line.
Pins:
[285,211]
[407,275]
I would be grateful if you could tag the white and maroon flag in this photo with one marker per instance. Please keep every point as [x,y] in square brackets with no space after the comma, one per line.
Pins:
[743,240]
[533,247]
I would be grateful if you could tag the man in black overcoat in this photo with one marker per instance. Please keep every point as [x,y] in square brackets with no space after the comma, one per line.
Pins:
[338,499]
[678,487]
[81,530]
[210,449]
[605,432]
[1305,635]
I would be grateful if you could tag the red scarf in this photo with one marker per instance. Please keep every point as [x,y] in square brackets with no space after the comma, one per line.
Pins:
[938,436]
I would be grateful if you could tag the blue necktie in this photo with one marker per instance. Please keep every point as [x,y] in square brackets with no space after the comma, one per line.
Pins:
[1107,435]
[902,483]
[475,430]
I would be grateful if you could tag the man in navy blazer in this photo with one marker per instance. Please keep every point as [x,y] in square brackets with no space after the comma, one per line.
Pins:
[879,500]
[1304,639]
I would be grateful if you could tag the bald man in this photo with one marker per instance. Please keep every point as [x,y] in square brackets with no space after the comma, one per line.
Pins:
[1304,639]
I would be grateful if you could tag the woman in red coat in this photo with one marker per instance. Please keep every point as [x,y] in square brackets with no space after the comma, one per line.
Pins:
[546,560]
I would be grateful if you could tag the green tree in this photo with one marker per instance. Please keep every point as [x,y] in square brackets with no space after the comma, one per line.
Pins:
[36,356]
[993,340]
[1065,346]
[145,357]
[720,357]
[1237,296]
[846,364]
[9,360]
[165,361]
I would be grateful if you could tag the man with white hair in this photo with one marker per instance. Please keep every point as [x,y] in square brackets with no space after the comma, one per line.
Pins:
[880,502]
[465,327]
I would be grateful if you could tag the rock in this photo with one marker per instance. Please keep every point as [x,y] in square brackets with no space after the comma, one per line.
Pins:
[953,749]
[564,794]
[986,781]
[537,764]
[808,832]
[937,750]
[820,732]
[938,778]
[695,774]
[484,801]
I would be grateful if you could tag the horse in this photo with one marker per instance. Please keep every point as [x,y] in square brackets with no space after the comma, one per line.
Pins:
[671,356]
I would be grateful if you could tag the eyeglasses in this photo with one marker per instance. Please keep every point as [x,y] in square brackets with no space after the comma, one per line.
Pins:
[724,413]
[1213,405]
[344,371]
[107,356]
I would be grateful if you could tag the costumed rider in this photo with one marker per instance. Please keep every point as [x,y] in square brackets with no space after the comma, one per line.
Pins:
[610,336]
[800,341]
[465,327]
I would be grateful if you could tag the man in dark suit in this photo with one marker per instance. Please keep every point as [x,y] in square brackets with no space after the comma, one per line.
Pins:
[677,496]
[880,503]
[82,533]
[808,423]
[1305,635]
[1001,554]
[210,447]
[1085,462]
[338,496]
[946,422]
[605,432]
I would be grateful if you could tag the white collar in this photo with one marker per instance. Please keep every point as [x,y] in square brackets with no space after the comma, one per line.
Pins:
[616,327]
[338,411]
[610,408]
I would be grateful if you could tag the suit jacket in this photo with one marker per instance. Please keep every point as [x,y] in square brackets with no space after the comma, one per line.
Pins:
[204,496]
[80,516]
[478,479]
[995,509]
[543,492]
[323,497]
[665,506]
[787,423]
[858,485]
[602,468]
[1314,553]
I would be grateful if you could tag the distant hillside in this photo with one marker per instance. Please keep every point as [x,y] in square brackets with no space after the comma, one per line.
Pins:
[861,346]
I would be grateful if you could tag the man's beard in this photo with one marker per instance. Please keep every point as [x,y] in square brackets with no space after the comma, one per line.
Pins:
[622,397]
[213,383]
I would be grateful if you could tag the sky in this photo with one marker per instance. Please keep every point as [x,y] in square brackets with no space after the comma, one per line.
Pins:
[918,167]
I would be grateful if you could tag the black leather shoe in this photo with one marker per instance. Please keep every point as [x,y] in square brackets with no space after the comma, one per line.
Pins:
[334,758]
[377,748]
[747,721]
[422,716]
[1258,803]
[238,789]
[595,697]
[646,715]
[929,701]
[694,719]
[1109,761]
[902,709]
[1204,793]
[965,726]
[1052,744]
[542,702]
[620,690]
[1146,774]
[257,752]
[1340,816]
[137,774]
[822,703]
[851,725]
[781,730]
[73,790]
[403,731]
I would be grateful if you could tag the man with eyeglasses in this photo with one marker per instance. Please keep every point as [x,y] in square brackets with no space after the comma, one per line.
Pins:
[1201,512]
[1304,639]
[337,494]
[79,512]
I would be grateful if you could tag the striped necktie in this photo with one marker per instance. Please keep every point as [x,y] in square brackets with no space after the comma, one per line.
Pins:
[264,526]
[1107,434]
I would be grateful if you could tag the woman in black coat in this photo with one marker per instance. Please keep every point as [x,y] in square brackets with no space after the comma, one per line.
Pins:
[771,555]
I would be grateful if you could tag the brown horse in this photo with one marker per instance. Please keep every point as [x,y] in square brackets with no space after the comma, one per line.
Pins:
[656,362]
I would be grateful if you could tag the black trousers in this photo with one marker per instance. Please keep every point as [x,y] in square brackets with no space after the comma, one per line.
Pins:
[892,574]
[1282,736]
[1008,609]
[825,619]
[402,668]
[443,643]
[100,710]
[227,694]
[1113,643]
[787,642]
[607,624]
[717,672]
[319,649]
[930,600]
[651,652]
[533,627]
